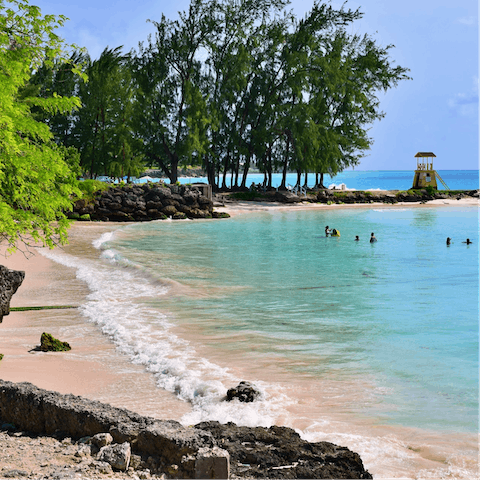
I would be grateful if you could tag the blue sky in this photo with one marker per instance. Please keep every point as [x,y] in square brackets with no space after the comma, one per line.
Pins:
[436,39]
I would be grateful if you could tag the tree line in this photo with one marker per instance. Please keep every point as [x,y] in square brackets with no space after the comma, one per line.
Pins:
[227,86]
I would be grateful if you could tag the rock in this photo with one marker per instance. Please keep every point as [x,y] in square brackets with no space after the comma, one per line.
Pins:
[118,456]
[279,452]
[101,439]
[212,463]
[50,344]
[10,280]
[245,392]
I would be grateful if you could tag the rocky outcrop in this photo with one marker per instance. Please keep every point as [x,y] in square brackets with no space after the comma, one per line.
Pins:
[279,452]
[137,203]
[118,438]
[10,280]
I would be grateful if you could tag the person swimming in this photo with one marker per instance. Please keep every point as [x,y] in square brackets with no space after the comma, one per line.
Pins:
[449,240]
[357,238]
[327,231]
[372,238]
[468,242]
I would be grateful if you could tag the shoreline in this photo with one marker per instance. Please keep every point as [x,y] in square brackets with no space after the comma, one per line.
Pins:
[50,283]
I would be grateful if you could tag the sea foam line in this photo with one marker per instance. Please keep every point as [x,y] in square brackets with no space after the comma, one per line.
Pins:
[144,334]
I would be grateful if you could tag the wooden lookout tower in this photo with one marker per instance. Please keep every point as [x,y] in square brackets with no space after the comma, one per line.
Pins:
[425,175]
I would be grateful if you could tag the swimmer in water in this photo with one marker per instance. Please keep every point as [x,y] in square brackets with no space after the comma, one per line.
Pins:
[372,238]
[357,238]
[449,240]
[327,231]
[468,242]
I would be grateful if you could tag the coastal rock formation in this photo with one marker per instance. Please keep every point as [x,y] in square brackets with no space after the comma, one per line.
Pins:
[10,280]
[244,391]
[279,452]
[208,450]
[137,203]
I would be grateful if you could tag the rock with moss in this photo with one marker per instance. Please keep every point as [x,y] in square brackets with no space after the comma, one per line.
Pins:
[1,356]
[48,343]
[220,214]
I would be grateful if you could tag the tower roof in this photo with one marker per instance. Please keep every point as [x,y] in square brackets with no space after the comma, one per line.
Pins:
[425,154]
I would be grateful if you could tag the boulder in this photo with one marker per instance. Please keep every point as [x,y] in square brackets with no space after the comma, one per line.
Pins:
[118,456]
[244,391]
[279,452]
[10,280]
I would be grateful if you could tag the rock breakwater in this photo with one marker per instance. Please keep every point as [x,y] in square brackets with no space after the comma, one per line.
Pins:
[139,203]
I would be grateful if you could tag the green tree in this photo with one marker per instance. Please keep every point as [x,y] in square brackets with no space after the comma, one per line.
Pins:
[36,184]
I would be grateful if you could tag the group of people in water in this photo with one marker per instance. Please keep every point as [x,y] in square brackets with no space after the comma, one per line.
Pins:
[449,241]
[335,233]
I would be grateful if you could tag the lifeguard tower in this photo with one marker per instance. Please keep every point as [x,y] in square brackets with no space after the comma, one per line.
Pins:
[425,175]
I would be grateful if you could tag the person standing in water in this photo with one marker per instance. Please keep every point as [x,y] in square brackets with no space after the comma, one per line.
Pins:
[372,238]
[357,238]
[449,240]
[327,231]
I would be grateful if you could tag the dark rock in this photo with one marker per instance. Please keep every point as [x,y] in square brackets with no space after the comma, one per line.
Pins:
[279,452]
[286,197]
[220,215]
[169,210]
[10,280]
[244,391]
[48,343]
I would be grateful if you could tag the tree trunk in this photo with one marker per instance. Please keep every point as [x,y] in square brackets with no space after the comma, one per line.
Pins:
[283,185]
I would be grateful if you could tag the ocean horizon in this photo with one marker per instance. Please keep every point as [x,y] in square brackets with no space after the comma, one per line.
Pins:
[360,179]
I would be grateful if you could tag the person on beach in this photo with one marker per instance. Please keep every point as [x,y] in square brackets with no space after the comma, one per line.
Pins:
[372,238]
[357,238]
[327,231]
[449,240]
[468,242]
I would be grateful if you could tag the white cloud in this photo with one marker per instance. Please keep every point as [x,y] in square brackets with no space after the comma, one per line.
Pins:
[466,104]
[470,20]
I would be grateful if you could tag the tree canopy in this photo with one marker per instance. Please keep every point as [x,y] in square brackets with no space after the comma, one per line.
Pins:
[36,183]
[229,85]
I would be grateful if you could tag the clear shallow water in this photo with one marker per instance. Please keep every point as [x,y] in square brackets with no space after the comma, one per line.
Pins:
[402,312]
[370,346]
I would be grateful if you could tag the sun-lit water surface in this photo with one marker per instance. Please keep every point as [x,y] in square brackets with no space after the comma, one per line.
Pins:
[403,311]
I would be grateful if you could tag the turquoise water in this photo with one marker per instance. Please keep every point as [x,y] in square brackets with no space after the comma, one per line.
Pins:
[402,312]
[364,180]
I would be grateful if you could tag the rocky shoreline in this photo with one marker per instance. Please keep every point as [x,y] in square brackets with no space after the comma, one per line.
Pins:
[48,435]
[158,201]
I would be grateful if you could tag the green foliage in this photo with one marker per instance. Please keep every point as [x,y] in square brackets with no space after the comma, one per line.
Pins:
[36,183]
[48,343]
[85,217]
[90,187]
[1,356]
[430,190]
